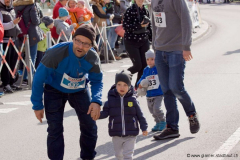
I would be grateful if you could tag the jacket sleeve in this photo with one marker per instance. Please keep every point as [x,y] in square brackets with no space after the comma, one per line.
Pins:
[95,77]
[7,26]
[99,14]
[89,12]
[105,112]
[142,77]
[153,31]
[130,21]
[37,87]
[35,19]
[186,23]
[141,118]
[149,28]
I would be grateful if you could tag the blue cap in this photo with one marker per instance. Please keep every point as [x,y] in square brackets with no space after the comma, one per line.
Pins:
[63,12]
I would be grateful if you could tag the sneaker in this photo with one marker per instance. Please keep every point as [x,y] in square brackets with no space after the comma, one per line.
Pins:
[167,133]
[8,89]
[194,123]
[25,82]
[159,126]
[16,88]
[1,94]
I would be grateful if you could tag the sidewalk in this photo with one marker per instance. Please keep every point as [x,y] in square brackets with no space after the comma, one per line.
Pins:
[200,31]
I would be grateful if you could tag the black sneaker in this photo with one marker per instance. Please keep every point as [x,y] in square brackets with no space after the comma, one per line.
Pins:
[7,89]
[25,82]
[194,123]
[167,133]
[16,88]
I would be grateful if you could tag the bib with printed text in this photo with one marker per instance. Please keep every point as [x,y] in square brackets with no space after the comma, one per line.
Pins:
[72,83]
[160,19]
[154,82]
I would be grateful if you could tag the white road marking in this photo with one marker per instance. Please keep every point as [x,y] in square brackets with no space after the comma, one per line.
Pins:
[23,103]
[126,66]
[227,145]
[7,110]
[112,71]
[27,96]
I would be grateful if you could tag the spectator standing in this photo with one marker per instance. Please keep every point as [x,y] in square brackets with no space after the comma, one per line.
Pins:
[46,25]
[31,17]
[11,29]
[47,4]
[137,36]
[172,37]
[59,4]
[61,25]
[1,41]
[73,15]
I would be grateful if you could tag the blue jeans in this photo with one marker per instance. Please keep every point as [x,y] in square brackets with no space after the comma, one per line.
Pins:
[33,54]
[170,67]
[112,37]
[54,103]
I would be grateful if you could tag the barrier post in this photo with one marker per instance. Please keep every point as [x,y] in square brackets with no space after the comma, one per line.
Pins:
[105,42]
[49,40]
[28,61]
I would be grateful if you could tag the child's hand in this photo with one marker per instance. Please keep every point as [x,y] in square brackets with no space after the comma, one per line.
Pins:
[140,87]
[74,25]
[145,133]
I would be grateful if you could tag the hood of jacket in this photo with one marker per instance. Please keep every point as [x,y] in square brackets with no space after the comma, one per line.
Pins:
[113,92]
[43,27]
[57,22]
[8,8]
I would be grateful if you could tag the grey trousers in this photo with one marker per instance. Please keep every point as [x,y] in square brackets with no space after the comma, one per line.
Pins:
[154,106]
[124,147]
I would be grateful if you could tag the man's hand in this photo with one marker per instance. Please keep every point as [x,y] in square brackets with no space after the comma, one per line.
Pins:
[144,25]
[94,110]
[17,20]
[145,133]
[139,86]
[39,114]
[187,55]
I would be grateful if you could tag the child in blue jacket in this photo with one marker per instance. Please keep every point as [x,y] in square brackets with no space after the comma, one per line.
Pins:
[124,115]
[154,91]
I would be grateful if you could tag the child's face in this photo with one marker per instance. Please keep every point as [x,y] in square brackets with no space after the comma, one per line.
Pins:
[80,5]
[122,88]
[50,26]
[151,62]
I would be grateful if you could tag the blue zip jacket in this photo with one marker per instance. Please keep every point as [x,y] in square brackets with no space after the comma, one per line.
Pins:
[148,72]
[62,70]
[124,114]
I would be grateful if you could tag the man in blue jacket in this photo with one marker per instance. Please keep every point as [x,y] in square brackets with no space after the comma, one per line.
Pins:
[62,76]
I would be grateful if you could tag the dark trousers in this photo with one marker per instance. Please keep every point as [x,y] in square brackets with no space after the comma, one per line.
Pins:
[11,59]
[39,58]
[54,103]
[136,52]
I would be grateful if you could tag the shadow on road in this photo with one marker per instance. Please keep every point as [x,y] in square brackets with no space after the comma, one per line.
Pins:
[232,52]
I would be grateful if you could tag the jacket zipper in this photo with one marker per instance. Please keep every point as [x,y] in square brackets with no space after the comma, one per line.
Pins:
[122,114]
[135,124]
[112,124]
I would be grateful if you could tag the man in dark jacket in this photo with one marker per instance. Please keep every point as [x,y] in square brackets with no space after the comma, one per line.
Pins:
[11,30]
[31,17]
[124,115]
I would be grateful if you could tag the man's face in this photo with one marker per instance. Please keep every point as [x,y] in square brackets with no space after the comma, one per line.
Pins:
[81,45]
[64,2]
[7,2]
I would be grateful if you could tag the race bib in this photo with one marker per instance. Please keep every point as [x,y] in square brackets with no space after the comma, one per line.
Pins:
[160,19]
[73,83]
[154,82]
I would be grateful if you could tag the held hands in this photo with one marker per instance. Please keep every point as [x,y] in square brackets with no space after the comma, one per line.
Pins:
[145,133]
[94,110]
[187,55]
[39,114]
[144,25]
[17,20]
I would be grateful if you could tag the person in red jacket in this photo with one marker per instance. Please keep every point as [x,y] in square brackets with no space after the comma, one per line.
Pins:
[59,4]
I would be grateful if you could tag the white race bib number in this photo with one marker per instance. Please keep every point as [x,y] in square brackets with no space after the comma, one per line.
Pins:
[73,83]
[160,19]
[154,82]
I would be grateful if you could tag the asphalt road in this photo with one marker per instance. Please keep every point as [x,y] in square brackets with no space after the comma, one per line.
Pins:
[211,78]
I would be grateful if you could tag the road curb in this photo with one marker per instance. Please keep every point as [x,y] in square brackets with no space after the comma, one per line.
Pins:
[203,33]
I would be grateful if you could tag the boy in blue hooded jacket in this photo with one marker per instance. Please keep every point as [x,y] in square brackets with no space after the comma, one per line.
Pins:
[154,91]
[124,115]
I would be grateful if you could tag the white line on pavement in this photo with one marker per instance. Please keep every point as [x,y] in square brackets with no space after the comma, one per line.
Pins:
[27,96]
[23,103]
[112,71]
[125,66]
[7,110]
[227,146]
